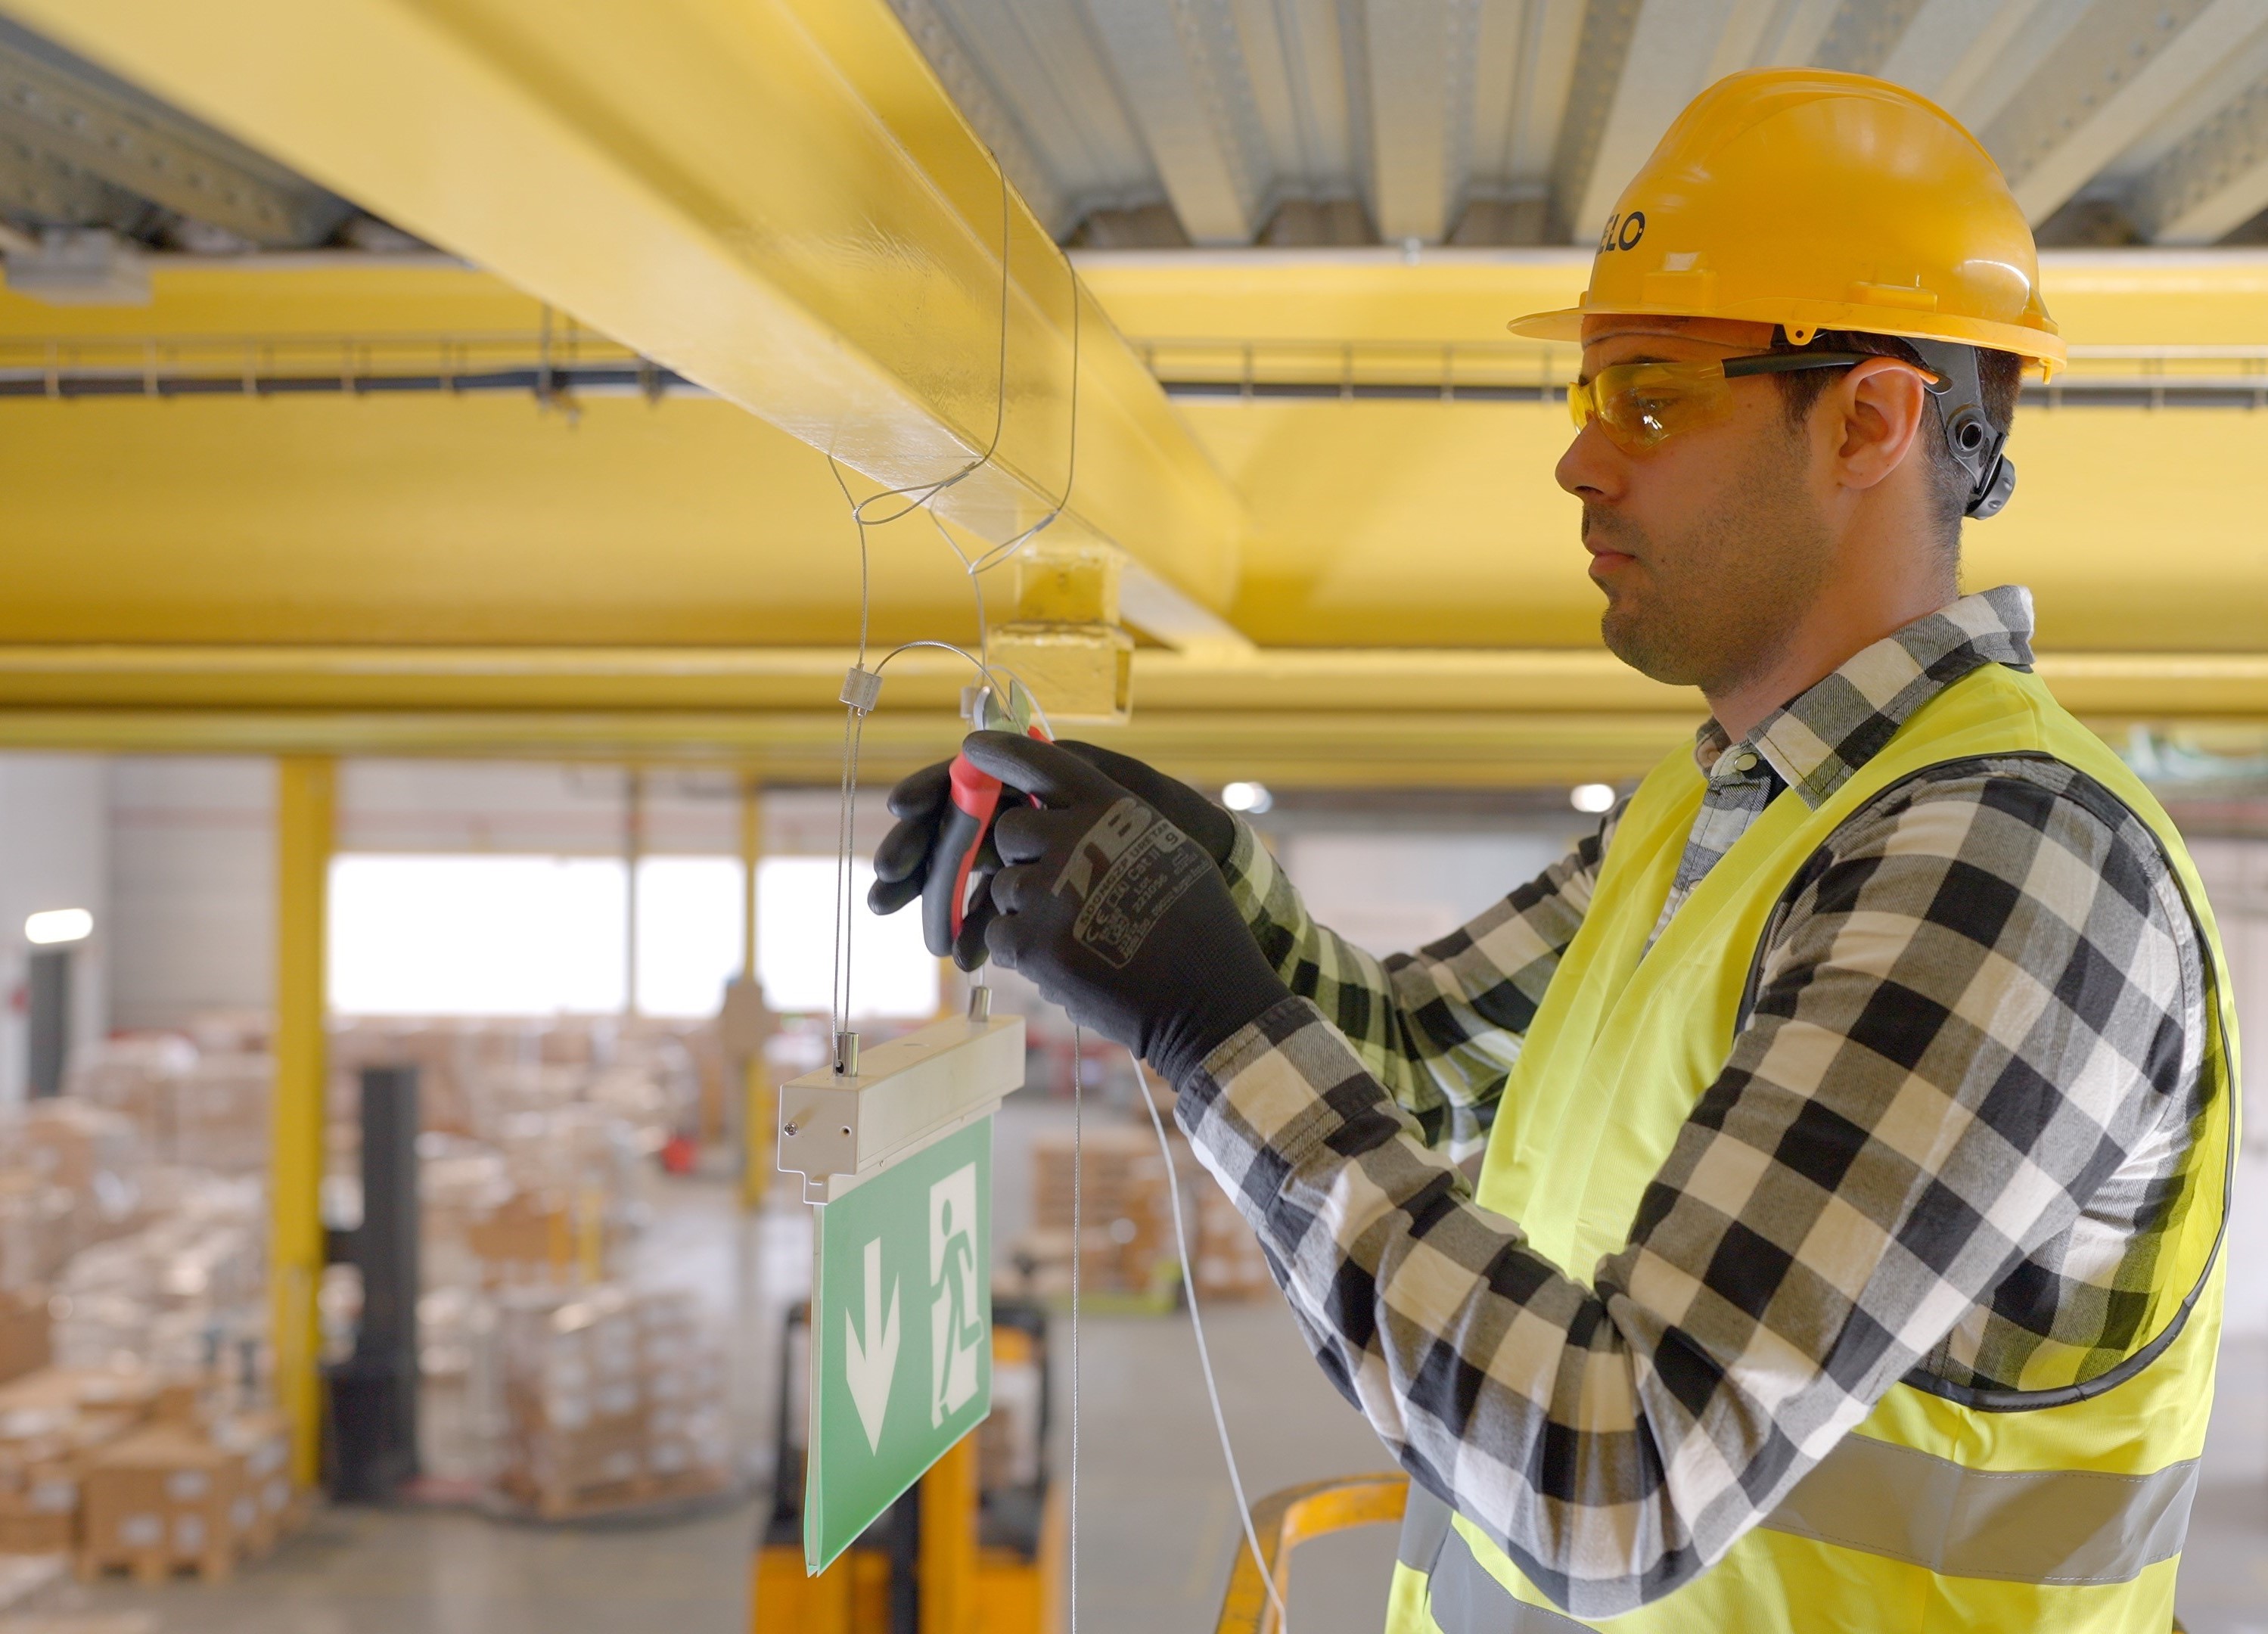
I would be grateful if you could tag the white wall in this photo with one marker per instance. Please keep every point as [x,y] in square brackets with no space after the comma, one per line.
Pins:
[469,806]
[2235,874]
[1392,893]
[192,887]
[54,844]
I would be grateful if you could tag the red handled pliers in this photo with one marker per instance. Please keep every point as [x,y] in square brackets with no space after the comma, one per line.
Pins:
[973,802]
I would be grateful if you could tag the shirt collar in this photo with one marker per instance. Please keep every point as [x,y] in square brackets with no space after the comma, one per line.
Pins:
[1816,741]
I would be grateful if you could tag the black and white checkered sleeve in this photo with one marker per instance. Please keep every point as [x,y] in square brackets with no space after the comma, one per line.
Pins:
[1438,1028]
[1982,1008]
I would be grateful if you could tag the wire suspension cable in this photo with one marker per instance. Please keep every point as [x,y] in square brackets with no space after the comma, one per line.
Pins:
[1077,1181]
[919,496]
[1205,1356]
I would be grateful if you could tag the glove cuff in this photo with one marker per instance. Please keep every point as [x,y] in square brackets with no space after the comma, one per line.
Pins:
[1239,991]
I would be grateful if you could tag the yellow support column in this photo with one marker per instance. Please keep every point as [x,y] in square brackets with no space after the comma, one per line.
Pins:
[305,790]
[758,1146]
[948,1541]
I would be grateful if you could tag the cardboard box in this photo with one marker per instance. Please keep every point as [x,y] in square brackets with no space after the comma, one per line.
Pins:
[25,1332]
[161,1495]
[528,1239]
[221,1114]
[71,1143]
[40,1227]
[1227,1256]
[613,1398]
[265,1505]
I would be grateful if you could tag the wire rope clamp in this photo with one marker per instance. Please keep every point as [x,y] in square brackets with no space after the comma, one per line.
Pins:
[862,689]
[839,1128]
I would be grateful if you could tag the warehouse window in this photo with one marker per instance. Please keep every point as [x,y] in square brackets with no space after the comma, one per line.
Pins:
[439,936]
[488,935]
[891,973]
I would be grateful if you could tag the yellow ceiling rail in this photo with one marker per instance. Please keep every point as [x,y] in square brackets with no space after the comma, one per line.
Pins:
[1325,749]
[773,198]
[1309,718]
[1322,750]
[1445,684]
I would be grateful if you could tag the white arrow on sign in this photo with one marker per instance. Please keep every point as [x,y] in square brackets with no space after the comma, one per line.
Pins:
[869,1366]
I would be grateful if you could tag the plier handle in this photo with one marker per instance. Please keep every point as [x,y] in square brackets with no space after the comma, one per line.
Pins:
[973,802]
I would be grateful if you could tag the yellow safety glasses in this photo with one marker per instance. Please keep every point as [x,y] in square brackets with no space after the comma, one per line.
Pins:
[1641,404]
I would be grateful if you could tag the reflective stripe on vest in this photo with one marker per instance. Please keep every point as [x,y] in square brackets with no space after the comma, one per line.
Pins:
[2075,1526]
[2016,1525]
[1464,1596]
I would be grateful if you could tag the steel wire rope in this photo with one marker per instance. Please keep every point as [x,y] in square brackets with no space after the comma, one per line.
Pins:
[854,727]
[1204,1355]
[995,555]
[854,736]
[999,396]
[845,903]
[1077,1250]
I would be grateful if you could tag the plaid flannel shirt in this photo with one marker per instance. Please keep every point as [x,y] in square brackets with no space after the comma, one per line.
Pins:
[1975,1038]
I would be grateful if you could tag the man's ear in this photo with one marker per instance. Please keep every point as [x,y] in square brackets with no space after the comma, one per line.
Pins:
[1883,404]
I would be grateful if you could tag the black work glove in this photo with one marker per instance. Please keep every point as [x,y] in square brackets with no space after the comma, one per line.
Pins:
[1115,913]
[1212,828]
[902,862]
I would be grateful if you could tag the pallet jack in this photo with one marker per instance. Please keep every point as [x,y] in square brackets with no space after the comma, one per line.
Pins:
[954,1556]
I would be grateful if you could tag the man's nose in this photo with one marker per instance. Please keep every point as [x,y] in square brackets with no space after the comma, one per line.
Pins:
[1592,467]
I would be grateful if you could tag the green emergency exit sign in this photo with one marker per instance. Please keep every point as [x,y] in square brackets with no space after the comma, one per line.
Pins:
[901,1334]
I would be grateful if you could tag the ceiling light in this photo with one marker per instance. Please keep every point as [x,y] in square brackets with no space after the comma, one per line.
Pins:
[1592,797]
[1247,796]
[59,925]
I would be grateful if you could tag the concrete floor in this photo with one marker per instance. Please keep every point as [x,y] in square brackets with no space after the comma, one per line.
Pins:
[2224,1587]
[369,1571]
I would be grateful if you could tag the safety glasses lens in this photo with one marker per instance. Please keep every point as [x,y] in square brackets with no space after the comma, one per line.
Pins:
[1639,404]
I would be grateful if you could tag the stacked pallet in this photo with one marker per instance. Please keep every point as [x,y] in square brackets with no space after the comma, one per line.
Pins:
[181,1496]
[1226,1256]
[1125,1237]
[614,1399]
[52,1423]
[126,1472]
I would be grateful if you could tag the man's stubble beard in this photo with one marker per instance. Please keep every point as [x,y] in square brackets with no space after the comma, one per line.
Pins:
[1722,601]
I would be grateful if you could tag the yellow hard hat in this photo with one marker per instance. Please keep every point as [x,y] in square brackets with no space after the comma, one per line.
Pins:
[1819,200]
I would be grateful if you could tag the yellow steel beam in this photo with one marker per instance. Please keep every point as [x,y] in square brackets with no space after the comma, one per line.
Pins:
[772,196]
[1315,749]
[304,829]
[1410,683]
[1309,749]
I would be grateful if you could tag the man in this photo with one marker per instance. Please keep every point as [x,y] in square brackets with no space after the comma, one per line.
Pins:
[1855,1105]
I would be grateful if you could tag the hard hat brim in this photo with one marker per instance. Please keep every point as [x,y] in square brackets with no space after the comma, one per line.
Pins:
[2037,347]
[1566,324]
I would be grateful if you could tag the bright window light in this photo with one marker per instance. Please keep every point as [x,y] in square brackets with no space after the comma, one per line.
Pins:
[1592,797]
[689,940]
[475,936]
[59,925]
[1247,796]
[892,974]
[532,936]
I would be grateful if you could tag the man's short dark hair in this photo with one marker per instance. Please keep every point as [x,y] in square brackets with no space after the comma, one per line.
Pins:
[1998,373]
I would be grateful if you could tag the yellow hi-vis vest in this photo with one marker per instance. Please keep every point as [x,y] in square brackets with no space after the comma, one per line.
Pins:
[2060,1509]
